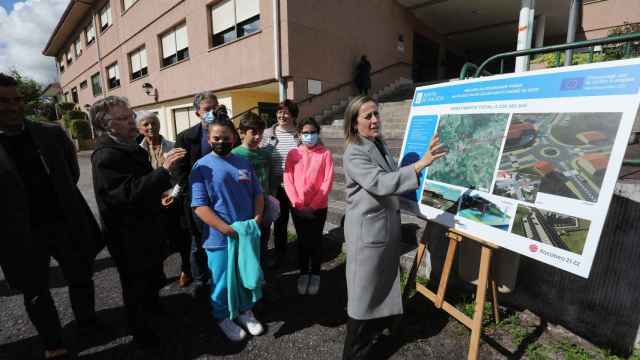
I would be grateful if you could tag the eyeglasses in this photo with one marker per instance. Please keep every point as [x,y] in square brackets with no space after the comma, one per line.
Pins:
[370,114]
[309,132]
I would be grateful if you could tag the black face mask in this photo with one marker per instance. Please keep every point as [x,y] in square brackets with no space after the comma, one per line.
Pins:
[222,148]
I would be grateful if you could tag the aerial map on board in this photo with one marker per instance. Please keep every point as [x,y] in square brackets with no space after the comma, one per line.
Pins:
[532,160]
[473,142]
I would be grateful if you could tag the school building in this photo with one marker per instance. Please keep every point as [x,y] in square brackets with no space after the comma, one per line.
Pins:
[159,53]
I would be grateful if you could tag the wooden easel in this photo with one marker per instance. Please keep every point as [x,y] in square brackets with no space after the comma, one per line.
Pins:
[475,323]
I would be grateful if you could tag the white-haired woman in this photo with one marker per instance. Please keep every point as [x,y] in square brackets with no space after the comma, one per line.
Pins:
[128,191]
[157,146]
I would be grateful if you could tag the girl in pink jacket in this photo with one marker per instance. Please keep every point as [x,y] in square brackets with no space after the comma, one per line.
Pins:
[308,176]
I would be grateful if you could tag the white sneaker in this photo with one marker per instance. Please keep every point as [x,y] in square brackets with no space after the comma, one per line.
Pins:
[303,284]
[314,285]
[248,320]
[231,330]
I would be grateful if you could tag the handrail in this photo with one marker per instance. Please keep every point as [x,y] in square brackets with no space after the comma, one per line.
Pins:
[560,47]
[350,82]
[330,89]
[244,112]
[470,66]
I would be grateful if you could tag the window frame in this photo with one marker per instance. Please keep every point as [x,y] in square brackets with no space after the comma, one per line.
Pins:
[110,17]
[77,43]
[93,88]
[124,8]
[69,55]
[74,95]
[179,55]
[217,39]
[61,62]
[91,25]
[117,78]
[144,73]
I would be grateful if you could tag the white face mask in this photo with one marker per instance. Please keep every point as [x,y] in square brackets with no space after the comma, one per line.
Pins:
[310,139]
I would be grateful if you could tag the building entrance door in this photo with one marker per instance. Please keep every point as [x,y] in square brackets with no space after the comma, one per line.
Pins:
[425,59]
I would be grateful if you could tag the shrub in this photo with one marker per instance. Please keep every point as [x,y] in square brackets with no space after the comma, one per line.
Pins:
[80,129]
[66,106]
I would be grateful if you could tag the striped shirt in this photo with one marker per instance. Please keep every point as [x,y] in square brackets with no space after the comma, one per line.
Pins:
[286,142]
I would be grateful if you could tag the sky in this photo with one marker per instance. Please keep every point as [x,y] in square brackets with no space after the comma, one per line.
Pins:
[25,28]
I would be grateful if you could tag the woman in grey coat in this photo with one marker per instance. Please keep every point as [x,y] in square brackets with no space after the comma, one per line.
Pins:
[372,224]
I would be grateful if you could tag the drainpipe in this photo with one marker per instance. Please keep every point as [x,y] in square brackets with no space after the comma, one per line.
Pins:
[524,33]
[539,30]
[103,83]
[574,13]
[282,90]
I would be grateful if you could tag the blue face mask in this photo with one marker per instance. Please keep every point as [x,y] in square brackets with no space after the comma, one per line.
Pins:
[208,117]
[310,139]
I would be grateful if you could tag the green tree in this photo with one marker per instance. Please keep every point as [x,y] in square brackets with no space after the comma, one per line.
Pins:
[28,88]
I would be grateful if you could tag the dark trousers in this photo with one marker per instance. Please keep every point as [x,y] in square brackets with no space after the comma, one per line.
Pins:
[140,294]
[199,268]
[77,272]
[309,231]
[281,223]
[363,335]
[180,238]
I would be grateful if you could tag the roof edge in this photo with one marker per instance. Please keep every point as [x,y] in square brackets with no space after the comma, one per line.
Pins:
[63,18]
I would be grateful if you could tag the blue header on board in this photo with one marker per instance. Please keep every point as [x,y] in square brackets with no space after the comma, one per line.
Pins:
[619,80]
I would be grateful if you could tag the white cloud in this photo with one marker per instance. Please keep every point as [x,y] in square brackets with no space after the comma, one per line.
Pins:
[24,31]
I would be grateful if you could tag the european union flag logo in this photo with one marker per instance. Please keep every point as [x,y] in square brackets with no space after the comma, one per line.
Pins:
[572,84]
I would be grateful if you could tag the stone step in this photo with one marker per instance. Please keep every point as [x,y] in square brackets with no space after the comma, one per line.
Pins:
[337,146]
[389,131]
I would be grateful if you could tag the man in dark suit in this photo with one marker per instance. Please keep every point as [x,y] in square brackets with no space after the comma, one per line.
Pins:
[195,141]
[43,214]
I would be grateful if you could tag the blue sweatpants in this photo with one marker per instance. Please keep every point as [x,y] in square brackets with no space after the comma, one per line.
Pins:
[217,261]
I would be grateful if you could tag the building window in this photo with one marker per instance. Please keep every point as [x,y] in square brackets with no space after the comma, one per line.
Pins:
[61,64]
[90,33]
[69,56]
[126,4]
[175,45]
[74,95]
[184,118]
[138,61]
[78,46]
[113,76]
[66,97]
[105,17]
[96,86]
[83,84]
[232,19]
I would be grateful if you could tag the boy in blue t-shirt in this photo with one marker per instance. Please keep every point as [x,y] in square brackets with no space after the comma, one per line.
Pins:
[224,190]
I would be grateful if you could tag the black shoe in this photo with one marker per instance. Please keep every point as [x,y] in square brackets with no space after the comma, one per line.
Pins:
[201,291]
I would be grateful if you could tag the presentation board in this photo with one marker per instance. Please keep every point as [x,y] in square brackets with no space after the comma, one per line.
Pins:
[533,157]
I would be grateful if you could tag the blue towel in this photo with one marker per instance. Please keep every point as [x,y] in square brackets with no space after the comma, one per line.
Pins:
[244,275]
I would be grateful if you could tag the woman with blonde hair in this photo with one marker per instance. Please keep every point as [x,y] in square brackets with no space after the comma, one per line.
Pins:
[372,224]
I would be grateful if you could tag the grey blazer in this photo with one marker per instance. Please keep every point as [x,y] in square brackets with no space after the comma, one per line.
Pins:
[372,229]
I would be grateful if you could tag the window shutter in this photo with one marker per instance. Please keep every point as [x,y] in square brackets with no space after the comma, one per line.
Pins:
[135,62]
[169,44]
[117,72]
[128,3]
[222,16]
[143,58]
[182,42]
[246,9]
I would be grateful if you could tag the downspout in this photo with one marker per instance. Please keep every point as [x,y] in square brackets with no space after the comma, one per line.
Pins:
[103,84]
[282,90]
[574,13]
[525,24]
